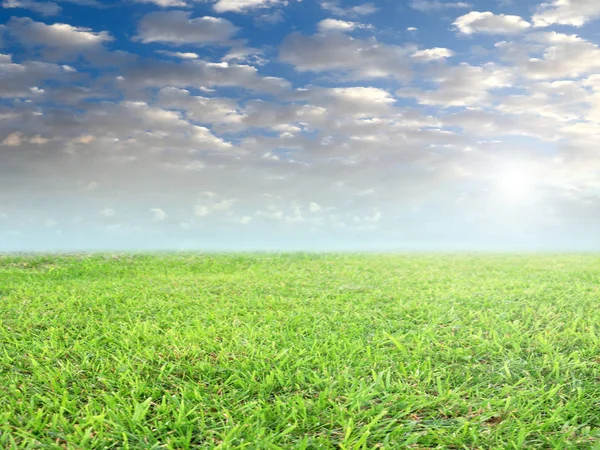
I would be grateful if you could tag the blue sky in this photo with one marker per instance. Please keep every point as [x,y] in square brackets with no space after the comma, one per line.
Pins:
[313,124]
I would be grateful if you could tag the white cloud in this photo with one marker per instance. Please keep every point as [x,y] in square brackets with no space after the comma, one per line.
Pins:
[355,101]
[211,206]
[263,114]
[201,210]
[241,6]
[128,125]
[324,108]
[56,35]
[85,139]
[436,5]
[177,28]
[593,81]
[19,79]
[241,54]
[432,54]
[315,208]
[13,140]
[360,94]
[197,73]
[40,7]
[562,55]
[165,3]
[194,165]
[290,214]
[107,212]
[335,25]
[59,40]
[39,140]
[561,101]
[357,58]
[350,11]
[17,138]
[461,85]
[200,109]
[180,55]
[369,221]
[223,205]
[489,23]
[271,17]
[94,3]
[159,214]
[566,12]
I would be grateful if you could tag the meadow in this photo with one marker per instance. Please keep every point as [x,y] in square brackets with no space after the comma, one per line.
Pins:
[299,351]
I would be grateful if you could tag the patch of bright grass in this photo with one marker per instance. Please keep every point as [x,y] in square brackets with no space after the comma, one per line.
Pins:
[300,351]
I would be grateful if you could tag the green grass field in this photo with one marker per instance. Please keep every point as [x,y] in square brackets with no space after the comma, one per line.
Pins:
[300,351]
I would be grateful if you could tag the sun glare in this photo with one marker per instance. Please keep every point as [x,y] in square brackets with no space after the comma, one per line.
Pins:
[516,184]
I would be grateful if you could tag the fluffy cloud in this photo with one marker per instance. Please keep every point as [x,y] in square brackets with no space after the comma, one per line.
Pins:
[489,23]
[17,139]
[490,124]
[129,122]
[315,208]
[164,3]
[21,80]
[242,54]
[562,55]
[177,28]
[180,55]
[209,204]
[39,140]
[561,101]
[566,12]
[94,3]
[335,25]
[432,54]
[60,41]
[262,114]
[201,109]
[115,131]
[350,11]
[241,6]
[107,212]
[159,214]
[12,140]
[354,101]
[152,73]
[461,85]
[58,35]
[357,58]
[436,5]
[40,7]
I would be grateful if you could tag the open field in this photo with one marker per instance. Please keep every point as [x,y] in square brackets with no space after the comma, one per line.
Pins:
[300,351]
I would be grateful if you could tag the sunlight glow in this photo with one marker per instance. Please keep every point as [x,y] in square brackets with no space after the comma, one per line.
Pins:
[516,183]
